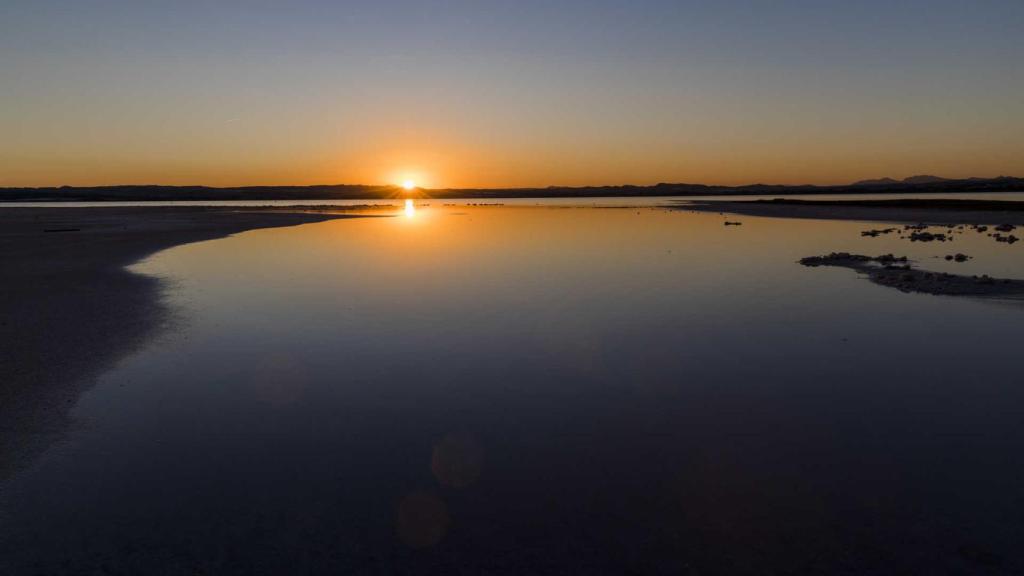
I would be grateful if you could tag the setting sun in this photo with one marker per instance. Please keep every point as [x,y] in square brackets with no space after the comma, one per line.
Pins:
[408,185]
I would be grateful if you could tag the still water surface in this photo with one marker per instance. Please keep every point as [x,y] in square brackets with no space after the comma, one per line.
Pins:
[544,390]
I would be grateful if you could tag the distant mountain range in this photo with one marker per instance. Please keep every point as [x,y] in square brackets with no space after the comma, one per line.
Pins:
[922,179]
[915,184]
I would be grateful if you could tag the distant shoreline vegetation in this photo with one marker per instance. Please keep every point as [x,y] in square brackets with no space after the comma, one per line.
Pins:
[140,193]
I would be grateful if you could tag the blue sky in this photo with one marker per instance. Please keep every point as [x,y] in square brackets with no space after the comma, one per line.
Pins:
[514,93]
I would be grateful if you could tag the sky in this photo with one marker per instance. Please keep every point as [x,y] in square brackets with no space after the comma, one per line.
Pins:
[468,93]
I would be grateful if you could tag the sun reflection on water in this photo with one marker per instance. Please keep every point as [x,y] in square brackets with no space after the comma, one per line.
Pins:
[410,208]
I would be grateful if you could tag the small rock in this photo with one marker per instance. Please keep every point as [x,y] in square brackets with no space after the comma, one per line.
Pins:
[875,233]
[926,237]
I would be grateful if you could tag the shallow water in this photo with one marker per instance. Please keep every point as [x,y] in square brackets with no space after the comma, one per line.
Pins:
[463,389]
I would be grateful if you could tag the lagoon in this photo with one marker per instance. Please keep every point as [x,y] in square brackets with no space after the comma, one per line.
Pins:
[543,389]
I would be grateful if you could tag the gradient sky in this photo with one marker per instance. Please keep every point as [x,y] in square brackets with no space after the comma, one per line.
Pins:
[523,93]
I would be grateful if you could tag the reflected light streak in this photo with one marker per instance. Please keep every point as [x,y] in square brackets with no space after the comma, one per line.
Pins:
[410,208]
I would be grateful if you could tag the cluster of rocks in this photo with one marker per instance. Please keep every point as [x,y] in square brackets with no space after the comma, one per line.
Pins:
[896,272]
[920,232]
[728,223]
[928,237]
[846,259]
[998,232]
[958,257]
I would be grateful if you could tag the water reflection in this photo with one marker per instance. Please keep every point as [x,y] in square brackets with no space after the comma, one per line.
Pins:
[532,390]
[456,460]
[422,519]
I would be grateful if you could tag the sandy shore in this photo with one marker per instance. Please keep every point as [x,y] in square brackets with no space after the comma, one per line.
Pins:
[69,309]
[929,211]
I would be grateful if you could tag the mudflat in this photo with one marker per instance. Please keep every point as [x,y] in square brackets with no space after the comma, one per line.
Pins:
[69,309]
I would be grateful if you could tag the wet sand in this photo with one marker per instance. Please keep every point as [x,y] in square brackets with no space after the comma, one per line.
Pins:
[69,309]
[929,211]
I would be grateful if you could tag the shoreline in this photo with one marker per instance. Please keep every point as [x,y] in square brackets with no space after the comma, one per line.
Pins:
[908,211]
[70,308]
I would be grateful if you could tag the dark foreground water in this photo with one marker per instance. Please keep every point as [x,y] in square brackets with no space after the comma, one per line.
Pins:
[544,391]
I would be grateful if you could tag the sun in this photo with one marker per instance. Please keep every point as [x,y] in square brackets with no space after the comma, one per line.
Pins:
[409,185]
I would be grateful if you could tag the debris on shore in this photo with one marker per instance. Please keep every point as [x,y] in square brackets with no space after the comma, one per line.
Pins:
[896,272]
[728,223]
[875,233]
[847,259]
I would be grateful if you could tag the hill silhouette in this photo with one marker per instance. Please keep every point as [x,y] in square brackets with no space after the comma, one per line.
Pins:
[919,179]
[141,193]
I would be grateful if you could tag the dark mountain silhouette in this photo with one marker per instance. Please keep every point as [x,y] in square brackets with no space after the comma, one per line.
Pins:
[924,179]
[877,182]
[919,179]
[914,184]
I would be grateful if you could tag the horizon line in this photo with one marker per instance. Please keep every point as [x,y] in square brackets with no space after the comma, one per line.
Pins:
[863,182]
